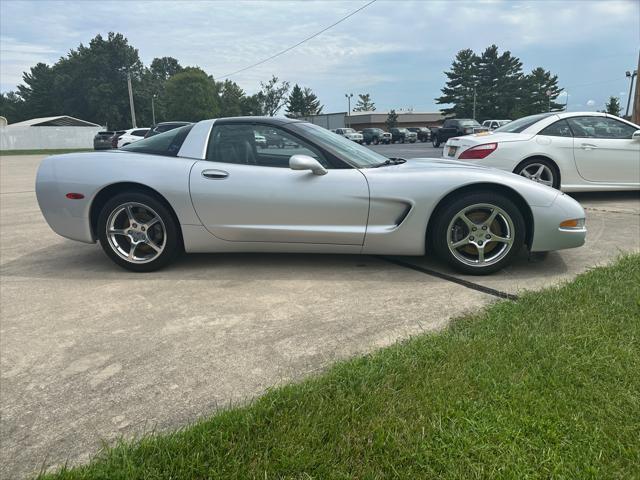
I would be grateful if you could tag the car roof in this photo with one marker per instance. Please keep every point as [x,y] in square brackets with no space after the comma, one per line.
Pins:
[267,120]
[580,114]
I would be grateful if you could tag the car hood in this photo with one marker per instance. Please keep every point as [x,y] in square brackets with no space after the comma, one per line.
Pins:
[457,174]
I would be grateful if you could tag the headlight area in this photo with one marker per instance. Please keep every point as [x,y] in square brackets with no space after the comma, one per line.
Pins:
[573,224]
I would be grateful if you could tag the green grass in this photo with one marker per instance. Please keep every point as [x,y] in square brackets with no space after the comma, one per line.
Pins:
[6,153]
[544,387]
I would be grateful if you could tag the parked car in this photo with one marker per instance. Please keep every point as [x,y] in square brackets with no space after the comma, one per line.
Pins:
[261,140]
[376,136]
[210,190]
[103,140]
[351,134]
[493,124]
[403,135]
[424,134]
[131,135]
[574,151]
[164,127]
[455,127]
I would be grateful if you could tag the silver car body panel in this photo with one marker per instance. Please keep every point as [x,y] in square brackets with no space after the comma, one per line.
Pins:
[267,209]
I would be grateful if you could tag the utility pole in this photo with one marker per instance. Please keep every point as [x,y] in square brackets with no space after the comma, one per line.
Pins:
[153,110]
[474,102]
[133,110]
[630,76]
[349,95]
[635,115]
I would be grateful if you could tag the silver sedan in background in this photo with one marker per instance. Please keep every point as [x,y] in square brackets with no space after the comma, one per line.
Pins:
[207,187]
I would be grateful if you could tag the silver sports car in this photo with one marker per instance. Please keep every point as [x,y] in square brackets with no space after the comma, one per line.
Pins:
[210,187]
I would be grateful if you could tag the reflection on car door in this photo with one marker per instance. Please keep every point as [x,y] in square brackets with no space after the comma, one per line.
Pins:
[239,199]
[604,150]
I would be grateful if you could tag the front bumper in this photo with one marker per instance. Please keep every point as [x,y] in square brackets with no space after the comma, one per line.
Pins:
[548,235]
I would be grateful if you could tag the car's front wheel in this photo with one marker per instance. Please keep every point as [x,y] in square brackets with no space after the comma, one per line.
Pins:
[138,232]
[540,170]
[478,233]
[435,141]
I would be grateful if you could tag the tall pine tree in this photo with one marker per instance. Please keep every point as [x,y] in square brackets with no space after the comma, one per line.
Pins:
[302,102]
[458,92]
[364,103]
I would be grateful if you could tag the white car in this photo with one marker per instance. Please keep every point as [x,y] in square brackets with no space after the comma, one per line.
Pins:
[570,151]
[351,134]
[132,135]
[493,124]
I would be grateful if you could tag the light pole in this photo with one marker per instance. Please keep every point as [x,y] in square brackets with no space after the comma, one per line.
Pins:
[631,76]
[153,109]
[474,102]
[349,96]
[133,110]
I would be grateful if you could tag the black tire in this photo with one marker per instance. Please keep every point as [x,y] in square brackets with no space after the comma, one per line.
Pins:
[503,252]
[551,174]
[402,140]
[376,141]
[170,235]
[435,141]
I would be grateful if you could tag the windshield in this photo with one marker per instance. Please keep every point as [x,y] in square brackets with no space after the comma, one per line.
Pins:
[521,124]
[353,153]
[348,130]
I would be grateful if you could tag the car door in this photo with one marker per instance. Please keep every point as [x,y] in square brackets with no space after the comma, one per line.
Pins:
[245,193]
[604,150]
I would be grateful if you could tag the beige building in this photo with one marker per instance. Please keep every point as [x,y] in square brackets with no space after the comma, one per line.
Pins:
[360,120]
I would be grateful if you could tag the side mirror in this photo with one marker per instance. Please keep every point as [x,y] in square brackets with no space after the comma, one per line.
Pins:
[636,135]
[305,162]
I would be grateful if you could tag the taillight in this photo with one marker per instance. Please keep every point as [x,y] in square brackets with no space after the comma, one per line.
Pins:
[478,152]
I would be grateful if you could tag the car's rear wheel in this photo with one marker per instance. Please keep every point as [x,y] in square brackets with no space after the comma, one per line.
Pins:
[540,170]
[138,232]
[479,233]
[376,141]
[435,141]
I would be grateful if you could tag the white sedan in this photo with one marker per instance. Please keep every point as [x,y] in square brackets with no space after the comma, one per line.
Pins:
[132,135]
[574,151]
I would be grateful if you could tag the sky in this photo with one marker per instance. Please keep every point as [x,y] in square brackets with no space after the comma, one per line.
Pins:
[395,50]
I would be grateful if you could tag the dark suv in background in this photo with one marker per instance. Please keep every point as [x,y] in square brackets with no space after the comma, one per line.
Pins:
[104,140]
[403,135]
[164,127]
[424,134]
[376,136]
[455,127]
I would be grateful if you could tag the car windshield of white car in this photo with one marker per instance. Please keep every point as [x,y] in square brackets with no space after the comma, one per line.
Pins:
[521,124]
[167,143]
[352,152]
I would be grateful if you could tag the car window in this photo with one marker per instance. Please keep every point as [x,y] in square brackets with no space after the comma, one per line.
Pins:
[139,133]
[260,145]
[469,123]
[523,123]
[557,129]
[167,143]
[600,127]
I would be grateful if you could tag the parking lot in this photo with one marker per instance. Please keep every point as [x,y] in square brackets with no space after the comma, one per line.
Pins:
[91,352]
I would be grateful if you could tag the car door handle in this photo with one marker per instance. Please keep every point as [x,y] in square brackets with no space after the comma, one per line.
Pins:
[588,146]
[215,174]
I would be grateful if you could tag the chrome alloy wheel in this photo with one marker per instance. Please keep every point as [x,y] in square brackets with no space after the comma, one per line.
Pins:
[136,232]
[538,172]
[480,235]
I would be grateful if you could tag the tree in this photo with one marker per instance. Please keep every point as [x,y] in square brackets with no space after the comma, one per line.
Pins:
[540,91]
[12,107]
[231,99]
[302,103]
[364,103]
[500,88]
[392,120]
[164,68]
[458,91]
[36,92]
[272,96]
[191,95]
[612,107]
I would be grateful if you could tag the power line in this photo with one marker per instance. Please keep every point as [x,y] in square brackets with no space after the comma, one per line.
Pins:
[299,43]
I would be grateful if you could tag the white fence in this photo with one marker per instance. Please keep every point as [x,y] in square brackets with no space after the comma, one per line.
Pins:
[36,138]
